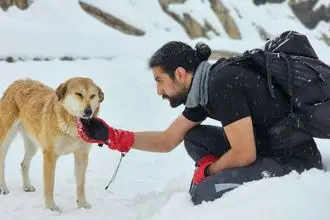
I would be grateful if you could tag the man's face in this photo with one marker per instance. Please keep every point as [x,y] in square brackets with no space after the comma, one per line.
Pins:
[174,90]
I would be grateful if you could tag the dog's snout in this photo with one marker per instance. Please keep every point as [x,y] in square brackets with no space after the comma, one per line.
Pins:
[88,111]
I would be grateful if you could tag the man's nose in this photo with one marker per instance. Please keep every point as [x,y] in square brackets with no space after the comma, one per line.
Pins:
[88,111]
[159,91]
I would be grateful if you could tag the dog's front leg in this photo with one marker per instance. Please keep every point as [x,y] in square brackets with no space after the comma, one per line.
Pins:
[81,162]
[49,176]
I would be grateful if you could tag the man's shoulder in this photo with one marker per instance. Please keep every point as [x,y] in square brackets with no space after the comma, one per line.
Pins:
[232,73]
[222,75]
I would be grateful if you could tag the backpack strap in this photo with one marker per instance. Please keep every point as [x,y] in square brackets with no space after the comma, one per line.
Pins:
[269,75]
[290,78]
[266,64]
[223,62]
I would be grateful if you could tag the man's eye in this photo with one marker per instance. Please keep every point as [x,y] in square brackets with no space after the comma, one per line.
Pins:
[79,94]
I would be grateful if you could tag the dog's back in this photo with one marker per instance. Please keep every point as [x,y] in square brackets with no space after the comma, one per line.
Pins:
[22,93]
[24,101]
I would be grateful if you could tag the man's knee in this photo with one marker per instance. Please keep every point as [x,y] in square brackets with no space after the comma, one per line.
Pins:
[202,135]
[201,195]
[213,187]
[192,133]
[191,139]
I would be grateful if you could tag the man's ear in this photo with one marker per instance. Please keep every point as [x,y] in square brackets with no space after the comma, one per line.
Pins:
[180,74]
[101,94]
[61,90]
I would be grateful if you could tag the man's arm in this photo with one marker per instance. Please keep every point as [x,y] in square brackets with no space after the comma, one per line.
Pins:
[163,141]
[242,146]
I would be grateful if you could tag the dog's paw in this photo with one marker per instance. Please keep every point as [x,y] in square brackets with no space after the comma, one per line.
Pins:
[84,204]
[53,207]
[3,189]
[29,188]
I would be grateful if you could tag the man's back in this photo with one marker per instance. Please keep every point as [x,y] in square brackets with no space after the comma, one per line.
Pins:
[236,92]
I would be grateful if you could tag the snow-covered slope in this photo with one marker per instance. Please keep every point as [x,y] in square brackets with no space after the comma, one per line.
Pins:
[59,28]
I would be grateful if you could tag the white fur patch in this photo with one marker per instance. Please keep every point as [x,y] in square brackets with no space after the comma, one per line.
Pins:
[73,106]
[65,145]
[94,104]
[76,108]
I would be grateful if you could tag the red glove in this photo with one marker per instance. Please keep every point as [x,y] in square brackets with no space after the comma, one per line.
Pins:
[95,130]
[202,168]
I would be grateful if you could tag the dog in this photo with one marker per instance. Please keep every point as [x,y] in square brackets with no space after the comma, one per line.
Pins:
[47,119]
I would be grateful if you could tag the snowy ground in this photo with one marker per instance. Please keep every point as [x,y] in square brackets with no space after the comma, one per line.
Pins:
[148,185]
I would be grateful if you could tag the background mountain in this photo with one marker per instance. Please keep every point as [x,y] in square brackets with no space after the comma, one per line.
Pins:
[218,22]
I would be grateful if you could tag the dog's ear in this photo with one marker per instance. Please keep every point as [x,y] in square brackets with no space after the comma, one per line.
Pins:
[101,94]
[61,90]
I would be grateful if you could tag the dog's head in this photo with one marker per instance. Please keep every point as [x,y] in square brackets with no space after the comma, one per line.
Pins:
[81,97]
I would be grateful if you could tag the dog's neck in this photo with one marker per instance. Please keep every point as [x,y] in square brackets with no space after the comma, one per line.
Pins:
[67,123]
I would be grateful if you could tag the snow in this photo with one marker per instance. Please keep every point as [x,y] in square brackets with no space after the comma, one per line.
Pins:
[148,185]
[320,3]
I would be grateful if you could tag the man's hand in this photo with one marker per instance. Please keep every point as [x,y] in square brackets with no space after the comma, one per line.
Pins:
[201,171]
[95,130]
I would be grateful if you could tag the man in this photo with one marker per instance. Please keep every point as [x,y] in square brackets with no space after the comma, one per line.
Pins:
[235,95]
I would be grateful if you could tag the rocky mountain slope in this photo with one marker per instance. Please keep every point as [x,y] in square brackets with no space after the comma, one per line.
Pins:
[225,14]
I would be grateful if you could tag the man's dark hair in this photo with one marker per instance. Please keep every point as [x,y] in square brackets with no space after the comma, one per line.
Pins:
[176,54]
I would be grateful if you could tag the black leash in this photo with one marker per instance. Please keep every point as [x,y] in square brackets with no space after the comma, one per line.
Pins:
[116,171]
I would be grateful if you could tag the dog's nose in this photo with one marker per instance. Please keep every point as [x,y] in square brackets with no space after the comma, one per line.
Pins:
[88,111]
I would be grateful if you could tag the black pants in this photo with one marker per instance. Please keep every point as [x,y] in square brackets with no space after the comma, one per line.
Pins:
[205,139]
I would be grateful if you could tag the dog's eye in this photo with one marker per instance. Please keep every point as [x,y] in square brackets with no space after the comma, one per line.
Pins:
[79,94]
[92,96]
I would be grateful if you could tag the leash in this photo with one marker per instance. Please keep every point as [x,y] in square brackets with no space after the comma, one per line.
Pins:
[116,171]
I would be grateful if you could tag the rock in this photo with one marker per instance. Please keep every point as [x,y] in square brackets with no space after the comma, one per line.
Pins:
[226,20]
[263,34]
[261,2]
[325,38]
[216,54]
[21,4]
[111,20]
[194,29]
[303,10]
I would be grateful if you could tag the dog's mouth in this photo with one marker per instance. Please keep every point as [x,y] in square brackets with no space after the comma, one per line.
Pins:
[86,117]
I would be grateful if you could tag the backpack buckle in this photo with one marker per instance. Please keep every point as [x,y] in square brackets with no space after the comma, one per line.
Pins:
[321,76]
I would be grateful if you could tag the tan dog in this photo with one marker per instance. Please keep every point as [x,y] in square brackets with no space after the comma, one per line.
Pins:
[47,119]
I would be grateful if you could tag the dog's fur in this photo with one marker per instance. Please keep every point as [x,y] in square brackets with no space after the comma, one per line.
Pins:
[47,120]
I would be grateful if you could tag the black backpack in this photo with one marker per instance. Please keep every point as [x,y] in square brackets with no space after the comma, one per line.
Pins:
[290,62]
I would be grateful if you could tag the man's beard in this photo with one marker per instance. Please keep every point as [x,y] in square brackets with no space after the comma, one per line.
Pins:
[178,99]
